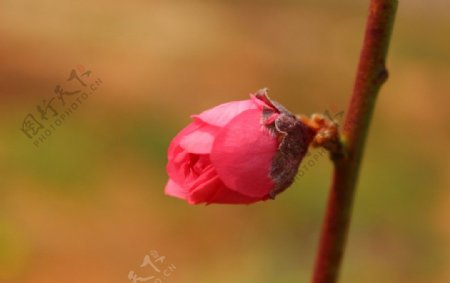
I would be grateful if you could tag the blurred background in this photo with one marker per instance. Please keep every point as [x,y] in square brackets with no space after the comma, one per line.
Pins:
[81,197]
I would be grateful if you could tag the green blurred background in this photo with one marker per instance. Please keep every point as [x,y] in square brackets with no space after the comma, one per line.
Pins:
[87,205]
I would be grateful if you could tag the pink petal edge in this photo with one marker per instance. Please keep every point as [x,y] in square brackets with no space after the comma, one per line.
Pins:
[221,115]
[175,143]
[174,190]
[201,140]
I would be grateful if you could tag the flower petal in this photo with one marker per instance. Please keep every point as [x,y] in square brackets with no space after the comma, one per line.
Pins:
[199,182]
[242,155]
[205,187]
[226,196]
[221,115]
[186,168]
[215,191]
[175,190]
[174,146]
[200,140]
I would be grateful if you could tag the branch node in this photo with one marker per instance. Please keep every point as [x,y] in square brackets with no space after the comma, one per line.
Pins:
[326,134]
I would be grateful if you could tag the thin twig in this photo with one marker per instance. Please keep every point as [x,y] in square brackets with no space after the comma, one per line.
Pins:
[371,75]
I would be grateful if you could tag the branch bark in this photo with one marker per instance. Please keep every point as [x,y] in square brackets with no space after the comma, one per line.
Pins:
[370,76]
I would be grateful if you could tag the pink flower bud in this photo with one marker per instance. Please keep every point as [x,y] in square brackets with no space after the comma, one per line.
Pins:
[238,152]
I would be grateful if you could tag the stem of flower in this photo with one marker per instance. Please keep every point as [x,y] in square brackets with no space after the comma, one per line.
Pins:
[370,76]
